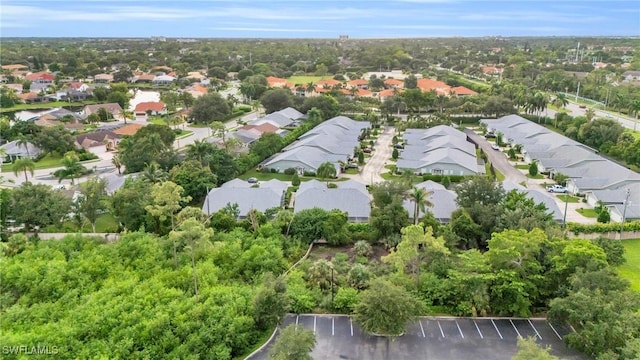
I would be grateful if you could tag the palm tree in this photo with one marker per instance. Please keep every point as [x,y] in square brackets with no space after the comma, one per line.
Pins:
[153,173]
[25,165]
[560,100]
[125,114]
[407,177]
[590,114]
[326,170]
[117,162]
[72,168]
[420,199]
[22,140]
[199,150]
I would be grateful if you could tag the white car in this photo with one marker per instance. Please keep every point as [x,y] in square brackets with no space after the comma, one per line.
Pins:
[495,147]
[557,189]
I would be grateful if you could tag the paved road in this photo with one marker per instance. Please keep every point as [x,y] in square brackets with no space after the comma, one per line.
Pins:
[433,338]
[627,122]
[498,159]
[371,171]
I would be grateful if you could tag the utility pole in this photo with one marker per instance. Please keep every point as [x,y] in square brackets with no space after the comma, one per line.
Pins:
[624,211]
[578,91]
[566,205]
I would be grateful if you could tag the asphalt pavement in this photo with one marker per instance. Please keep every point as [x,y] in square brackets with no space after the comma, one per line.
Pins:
[433,338]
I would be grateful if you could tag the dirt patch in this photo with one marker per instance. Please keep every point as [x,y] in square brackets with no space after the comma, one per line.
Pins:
[327,252]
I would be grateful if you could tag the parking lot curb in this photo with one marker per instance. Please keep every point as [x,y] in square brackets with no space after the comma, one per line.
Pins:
[275,331]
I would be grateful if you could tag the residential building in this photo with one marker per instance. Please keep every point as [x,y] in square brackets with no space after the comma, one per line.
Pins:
[112,108]
[350,197]
[262,196]
[42,77]
[441,150]
[15,150]
[443,202]
[557,154]
[144,109]
[163,80]
[332,141]
[103,78]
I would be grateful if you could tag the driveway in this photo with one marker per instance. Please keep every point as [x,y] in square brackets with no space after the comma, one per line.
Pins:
[371,171]
[497,158]
[434,338]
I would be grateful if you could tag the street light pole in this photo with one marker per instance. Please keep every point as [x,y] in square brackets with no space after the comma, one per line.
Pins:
[624,211]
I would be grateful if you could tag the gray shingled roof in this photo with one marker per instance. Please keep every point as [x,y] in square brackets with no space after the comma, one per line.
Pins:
[14,149]
[441,156]
[538,197]
[444,203]
[291,113]
[268,195]
[353,201]
[311,156]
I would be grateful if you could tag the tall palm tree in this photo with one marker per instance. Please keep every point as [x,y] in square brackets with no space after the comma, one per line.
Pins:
[117,162]
[153,173]
[590,114]
[420,199]
[22,140]
[25,165]
[199,150]
[326,170]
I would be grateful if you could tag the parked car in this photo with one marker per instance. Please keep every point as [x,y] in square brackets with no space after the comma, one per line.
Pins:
[582,106]
[352,166]
[495,147]
[366,150]
[489,135]
[252,180]
[398,146]
[557,189]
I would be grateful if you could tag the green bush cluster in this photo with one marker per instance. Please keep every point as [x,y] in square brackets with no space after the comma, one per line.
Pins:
[602,228]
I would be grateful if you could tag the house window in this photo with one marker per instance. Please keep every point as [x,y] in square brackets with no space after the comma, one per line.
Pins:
[437,171]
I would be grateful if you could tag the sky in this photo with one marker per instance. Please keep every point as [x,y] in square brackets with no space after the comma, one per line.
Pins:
[317,18]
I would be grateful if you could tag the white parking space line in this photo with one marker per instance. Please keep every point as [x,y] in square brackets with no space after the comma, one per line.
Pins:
[554,330]
[332,326]
[441,332]
[536,330]
[297,316]
[494,325]
[421,328]
[477,328]
[351,324]
[314,324]
[515,328]
[460,330]
[571,326]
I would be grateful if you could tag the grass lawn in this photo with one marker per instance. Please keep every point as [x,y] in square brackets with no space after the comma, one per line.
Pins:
[106,223]
[522,167]
[48,105]
[538,176]
[499,175]
[305,79]
[569,198]
[183,134]
[631,269]
[590,213]
[352,171]
[46,162]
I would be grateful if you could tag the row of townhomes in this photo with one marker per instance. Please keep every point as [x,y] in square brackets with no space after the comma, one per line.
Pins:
[441,150]
[332,141]
[591,175]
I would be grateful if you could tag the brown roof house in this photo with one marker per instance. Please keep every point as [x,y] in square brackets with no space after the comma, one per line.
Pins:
[144,109]
[113,108]
[98,142]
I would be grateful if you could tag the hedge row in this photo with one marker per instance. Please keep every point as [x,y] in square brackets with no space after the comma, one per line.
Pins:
[601,228]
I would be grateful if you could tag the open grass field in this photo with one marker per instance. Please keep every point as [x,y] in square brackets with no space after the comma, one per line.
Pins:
[631,269]
[305,79]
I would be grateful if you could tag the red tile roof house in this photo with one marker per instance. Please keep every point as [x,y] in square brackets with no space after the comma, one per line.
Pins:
[359,83]
[461,91]
[273,81]
[394,83]
[144,109]
[41,77]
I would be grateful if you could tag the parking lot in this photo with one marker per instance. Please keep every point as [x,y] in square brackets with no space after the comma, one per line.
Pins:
[429,338]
